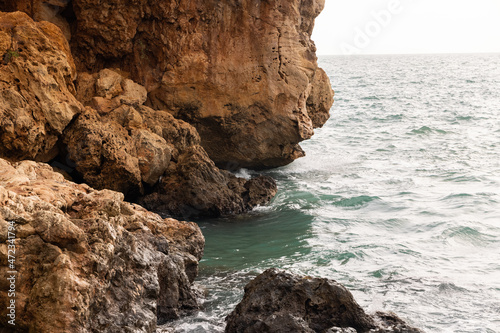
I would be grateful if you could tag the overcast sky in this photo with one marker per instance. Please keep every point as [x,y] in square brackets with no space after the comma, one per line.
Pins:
[408,26]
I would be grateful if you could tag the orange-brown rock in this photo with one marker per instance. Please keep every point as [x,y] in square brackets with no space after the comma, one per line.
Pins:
[41,10]
[36,87]
[244,73]
[118,143]
[126,146]
[87,261]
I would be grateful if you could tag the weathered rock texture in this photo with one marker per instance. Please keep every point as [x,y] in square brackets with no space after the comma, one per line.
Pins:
[279,302]
[41,10]
[195,187]
[114,142]
[244,73]
[87,261]
[36,87]
[123,145]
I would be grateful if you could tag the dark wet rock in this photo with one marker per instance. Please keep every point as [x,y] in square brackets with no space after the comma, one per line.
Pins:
[279,302]
[195,187]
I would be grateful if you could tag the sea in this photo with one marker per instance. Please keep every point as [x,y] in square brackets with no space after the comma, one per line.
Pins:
[398,198]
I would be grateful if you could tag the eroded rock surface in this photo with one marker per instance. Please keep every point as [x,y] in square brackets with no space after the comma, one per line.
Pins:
[195,187]
[87,260]
[37,99]
[243,73]
[280,302]
[120,144]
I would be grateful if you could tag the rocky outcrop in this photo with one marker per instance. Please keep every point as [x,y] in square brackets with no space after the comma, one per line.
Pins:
[87,261]
[37,99]
[243,73]
[120,144]
[195,187]
[280,302]
[41,10]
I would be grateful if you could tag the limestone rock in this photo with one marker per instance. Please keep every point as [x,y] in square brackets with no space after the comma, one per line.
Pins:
[111,144]
[128,147]
[104,153]
[89,262]
[41,10]
[243,73]
[280,302]
[320,99]
[37,99]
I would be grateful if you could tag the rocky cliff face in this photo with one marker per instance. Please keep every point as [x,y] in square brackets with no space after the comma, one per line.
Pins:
[243,73]
[87,261]
[37,99]
[102,133]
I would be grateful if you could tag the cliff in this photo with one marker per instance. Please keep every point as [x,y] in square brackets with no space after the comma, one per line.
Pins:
[97,128]
[243,73]
[152,101]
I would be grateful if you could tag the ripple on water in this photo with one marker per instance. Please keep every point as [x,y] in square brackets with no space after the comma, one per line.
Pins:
[425,130]
[355,202]
[467,236]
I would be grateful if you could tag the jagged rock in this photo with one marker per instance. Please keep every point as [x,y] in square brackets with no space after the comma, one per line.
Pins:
[104,153]
[279,302]
[37,99]
[194,187]
[118,156]
[87,261]
[123,145]
[41,10]
[120,144]
[243,73]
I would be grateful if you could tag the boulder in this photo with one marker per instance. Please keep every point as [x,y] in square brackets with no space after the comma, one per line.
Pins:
[194,187]
[37,99]
[87,261]
[52,11]
[279,302]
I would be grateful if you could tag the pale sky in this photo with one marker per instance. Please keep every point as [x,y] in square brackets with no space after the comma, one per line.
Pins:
[408,26]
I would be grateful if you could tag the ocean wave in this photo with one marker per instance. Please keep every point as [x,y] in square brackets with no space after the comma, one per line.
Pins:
[355,201]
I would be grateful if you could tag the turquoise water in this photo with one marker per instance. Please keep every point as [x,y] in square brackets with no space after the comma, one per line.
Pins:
[398,198]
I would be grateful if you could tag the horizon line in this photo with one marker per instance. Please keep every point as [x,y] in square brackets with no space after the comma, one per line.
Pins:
[419,53]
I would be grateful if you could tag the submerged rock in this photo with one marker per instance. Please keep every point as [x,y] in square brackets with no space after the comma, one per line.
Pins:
[280,302]
[89,262]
